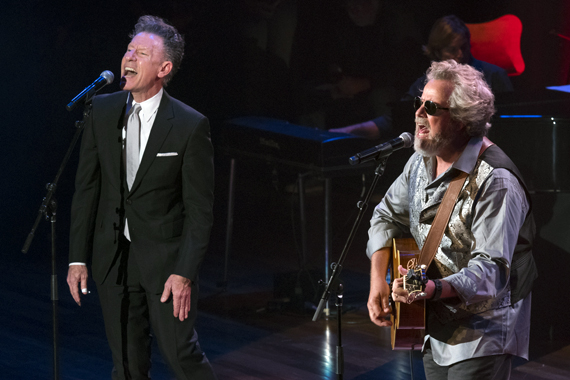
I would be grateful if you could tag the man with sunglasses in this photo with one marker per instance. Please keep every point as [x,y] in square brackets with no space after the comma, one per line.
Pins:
[449,39]
[478,292]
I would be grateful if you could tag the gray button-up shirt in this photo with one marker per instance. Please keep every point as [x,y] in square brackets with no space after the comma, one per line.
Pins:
[474,256]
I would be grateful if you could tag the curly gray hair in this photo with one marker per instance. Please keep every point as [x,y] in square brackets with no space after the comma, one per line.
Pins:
[172,40]
[472,101]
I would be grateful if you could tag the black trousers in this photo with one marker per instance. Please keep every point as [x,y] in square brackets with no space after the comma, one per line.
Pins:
[496,367]
[130,311]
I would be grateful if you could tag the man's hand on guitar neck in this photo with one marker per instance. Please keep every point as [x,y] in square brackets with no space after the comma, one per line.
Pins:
[400,294]
[379,298]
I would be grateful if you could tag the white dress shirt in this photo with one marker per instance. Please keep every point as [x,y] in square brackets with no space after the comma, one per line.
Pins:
[147,115]
[149,108]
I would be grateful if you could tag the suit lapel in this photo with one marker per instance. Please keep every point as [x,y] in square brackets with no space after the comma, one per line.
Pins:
[113,116]
[160,129]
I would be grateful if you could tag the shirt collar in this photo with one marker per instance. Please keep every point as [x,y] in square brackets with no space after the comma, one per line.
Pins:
[466,162]
[148,107]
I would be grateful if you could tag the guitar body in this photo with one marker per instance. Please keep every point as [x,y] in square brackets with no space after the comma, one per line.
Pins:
[408,320]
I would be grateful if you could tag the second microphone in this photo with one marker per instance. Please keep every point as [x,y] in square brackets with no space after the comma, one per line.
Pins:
[405,140]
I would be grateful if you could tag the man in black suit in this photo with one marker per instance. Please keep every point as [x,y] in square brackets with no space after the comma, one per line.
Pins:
[142,210]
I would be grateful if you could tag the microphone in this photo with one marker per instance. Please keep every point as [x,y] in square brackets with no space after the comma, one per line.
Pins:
[405,140]
[104,79]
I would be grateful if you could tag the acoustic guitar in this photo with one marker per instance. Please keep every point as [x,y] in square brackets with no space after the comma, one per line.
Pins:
[408,320]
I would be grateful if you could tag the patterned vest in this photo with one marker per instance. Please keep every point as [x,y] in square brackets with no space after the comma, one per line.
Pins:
[454,251]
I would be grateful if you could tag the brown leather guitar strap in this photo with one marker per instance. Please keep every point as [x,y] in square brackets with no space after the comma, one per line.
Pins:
[443,214]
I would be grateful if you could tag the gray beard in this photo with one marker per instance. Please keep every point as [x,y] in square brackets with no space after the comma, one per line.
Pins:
[432,147]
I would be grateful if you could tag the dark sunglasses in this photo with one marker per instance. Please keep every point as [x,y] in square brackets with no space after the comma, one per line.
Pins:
[431,107]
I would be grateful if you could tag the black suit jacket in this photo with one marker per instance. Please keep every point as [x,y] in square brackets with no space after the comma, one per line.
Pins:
[169,207]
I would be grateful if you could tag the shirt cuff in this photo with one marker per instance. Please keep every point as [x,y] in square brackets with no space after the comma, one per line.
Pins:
[77,263]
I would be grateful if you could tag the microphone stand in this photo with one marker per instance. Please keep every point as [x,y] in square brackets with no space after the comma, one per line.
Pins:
[48,209]
[337,268]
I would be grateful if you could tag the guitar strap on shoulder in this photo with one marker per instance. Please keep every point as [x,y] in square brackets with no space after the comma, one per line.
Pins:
[443,214]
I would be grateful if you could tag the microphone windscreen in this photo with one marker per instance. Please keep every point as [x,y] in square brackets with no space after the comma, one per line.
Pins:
[108,75]
[408,139]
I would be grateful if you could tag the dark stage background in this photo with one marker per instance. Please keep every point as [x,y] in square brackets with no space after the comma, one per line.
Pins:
[52,50]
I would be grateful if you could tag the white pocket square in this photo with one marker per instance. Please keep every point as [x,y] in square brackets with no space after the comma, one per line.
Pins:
[169,154]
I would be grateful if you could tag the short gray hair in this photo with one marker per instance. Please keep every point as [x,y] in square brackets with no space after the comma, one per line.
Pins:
[472,101]
[173,41]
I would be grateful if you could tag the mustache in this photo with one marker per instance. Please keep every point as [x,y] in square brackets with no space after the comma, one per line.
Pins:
[423,121]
